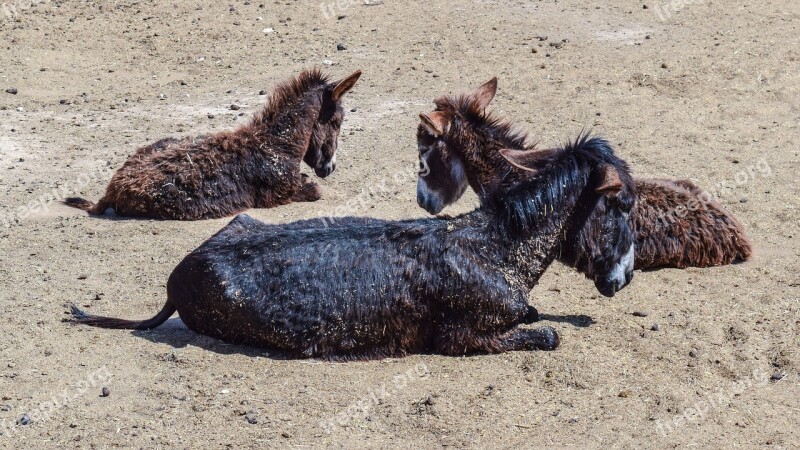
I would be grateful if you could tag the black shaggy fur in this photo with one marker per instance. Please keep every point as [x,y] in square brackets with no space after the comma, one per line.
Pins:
[371,289]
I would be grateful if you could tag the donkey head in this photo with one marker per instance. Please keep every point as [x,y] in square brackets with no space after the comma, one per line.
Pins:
[442,156]
[321,153]
[600,244]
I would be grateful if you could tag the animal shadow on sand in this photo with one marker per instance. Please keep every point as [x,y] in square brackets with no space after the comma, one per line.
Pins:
[576,320]
[175,334]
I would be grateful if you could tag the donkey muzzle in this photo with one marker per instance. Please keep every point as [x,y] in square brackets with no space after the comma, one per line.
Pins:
[620,276]
[427,199]
[326,169]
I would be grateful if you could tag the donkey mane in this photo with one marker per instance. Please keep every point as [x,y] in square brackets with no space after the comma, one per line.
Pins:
[466,107]
[525,208]
[288,92]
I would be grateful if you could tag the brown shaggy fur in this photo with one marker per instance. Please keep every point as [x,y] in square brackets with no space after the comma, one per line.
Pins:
[676,223]
[254,166]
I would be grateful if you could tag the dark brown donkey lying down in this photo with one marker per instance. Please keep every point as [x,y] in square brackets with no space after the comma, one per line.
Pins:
[369,289]
[254,166]
[676,223]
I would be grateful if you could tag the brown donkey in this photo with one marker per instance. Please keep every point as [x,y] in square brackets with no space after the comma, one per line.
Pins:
[254,166]
[460,145]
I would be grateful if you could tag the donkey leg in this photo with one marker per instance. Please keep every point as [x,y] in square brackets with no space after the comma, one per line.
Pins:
[543,338]
[458,340]
[309,191]
[486,321]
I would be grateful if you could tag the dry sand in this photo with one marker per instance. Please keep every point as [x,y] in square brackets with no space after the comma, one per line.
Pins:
[704,90]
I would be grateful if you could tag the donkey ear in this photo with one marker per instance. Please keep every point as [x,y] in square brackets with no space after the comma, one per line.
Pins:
[485,93]
[436,122]
[522,159]
[344,86]
[611,184]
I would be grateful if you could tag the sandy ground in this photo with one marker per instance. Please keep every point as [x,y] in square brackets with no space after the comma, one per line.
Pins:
[705,90]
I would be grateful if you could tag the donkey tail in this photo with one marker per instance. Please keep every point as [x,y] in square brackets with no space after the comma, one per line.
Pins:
[80,203]
[80,317]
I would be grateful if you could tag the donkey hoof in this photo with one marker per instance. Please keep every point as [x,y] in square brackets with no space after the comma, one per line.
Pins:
[547,338]
[531,316]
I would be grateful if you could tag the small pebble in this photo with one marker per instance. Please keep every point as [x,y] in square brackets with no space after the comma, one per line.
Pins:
[777,376]
[641,313]
[624,394]
[105,392]
[268,30]
[262,92]
[354,110]
[24,420]
[20,109]
[654,327]
[211,116]
[693,353]
[235,107]
[5,408]
[12,91]
[573,420]
[251,417]
[341,46]
[663,65]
